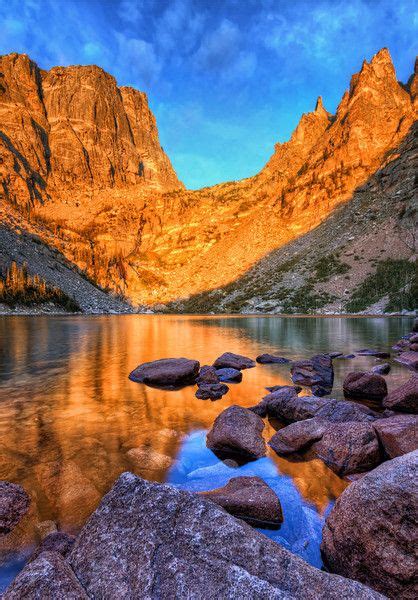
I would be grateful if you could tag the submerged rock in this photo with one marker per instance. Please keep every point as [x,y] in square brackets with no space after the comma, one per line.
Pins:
[14,504]
[229,375]
[317,373]
[364,385]
[47,577]
[237,431]
[398,434]
[250,499]
[370,534]
[167,373]
[146,459]
[265,359]
[229,360]
[211,391]
[404,398]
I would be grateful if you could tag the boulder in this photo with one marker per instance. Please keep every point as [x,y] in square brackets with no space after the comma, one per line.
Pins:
[409,359]
[229,360]
[47,577]
[398,434]
[207,375]
[14,504]
[229,375]
[365,386]
[348,448]
[317,373]
[401,345]
[288,407]
[149,540]
[250,499]
[167,373]
[266,359]
[276,388]
[346,356]
[404,398]
[298,436]
[57,541]
[237,431]
[211,391]
[376,353]
[370,534]
[382,369]
[342,411]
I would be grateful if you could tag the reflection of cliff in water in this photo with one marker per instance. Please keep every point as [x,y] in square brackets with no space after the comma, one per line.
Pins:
[71,421]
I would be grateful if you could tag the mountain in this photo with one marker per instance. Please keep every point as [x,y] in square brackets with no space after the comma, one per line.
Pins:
[82,168]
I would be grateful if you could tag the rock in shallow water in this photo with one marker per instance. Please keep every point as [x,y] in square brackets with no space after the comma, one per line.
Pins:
[250,499]
[409,359]
[266,359]
[229,375]
[211,391]
[237,431]
[148,540]
[207,375]
[317,373]
[297,436]
[370,533]
[229,360]
[365,386]
[14,504]
[167,373]
[383,369]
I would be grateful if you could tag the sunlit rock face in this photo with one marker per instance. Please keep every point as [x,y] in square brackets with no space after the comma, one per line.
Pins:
[90,151]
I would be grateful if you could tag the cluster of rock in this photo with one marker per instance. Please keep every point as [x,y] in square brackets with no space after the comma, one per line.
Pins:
[407,348]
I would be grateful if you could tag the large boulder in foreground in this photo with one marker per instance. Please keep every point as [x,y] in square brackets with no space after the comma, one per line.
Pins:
[167,373]
[370,534]
[148,540]
[14,504]
[316,373]
[250,499]
[404,398]
[398,434]
[229,360]
[237,432]
[365,386]
[48,577]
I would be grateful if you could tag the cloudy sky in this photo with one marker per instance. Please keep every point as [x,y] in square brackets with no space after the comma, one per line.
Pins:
[226,78]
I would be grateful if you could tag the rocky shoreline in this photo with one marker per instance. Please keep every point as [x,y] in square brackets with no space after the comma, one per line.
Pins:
[157,541]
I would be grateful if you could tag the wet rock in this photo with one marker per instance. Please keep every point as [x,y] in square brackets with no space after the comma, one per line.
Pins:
[370,533]
[409,359]
[148,540]
[145,459]
[363,385]
[250,499]
[207,375]
[237,431]
[167,373]
[381,369]
[211,391]
[266,406]
[298,436]
[229,360]
[266,359]
[48,577]
[404,398]
[348,448]
[14,504]
[343,411]
[229,375]
[287,406]
[376,353]
[276,388]
[398,434]
[317,373]
[57,541]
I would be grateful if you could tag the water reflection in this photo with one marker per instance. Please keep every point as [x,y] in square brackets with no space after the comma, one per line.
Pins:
[70,419]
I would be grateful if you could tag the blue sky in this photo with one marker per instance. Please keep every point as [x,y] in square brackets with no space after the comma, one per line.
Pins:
[226,79]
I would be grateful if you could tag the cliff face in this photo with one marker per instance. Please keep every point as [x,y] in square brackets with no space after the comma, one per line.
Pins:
[113,204]
[73,128]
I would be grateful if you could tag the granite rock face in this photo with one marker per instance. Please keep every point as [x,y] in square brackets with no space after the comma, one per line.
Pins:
[168,373]
[14,503]
[370,533]
[237,431]
[398,434]
[250,499]
[148,540]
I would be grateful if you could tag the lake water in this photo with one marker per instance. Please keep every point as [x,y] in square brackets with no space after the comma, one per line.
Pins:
[69,415]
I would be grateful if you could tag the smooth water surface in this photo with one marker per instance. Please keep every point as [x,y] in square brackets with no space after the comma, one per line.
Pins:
[70,418]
